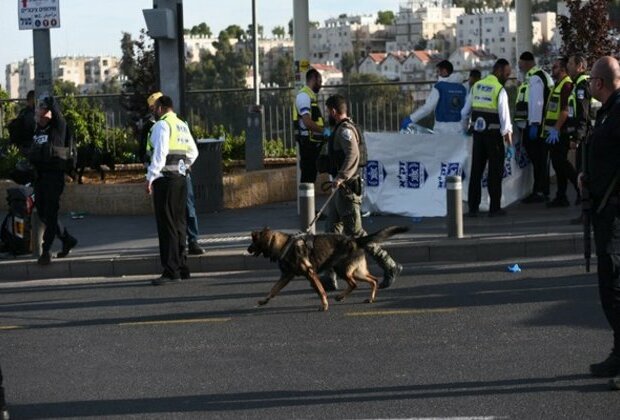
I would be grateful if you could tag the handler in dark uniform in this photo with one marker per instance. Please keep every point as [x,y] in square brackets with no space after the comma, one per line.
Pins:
[344,209]
[603,162]
[4,411]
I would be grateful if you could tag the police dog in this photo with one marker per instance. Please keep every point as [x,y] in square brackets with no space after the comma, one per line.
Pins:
[308,255]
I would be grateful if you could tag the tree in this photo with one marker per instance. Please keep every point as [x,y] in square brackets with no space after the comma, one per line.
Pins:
[250,31]
[290,28]
[234,31]
[278,32]
[385,17]
[201,29]
[587,30]
[283,74]
[347,62]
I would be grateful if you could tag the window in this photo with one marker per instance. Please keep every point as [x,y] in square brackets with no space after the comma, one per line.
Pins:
[105,62]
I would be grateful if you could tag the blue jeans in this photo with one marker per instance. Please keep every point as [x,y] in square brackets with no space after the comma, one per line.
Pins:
[190,212]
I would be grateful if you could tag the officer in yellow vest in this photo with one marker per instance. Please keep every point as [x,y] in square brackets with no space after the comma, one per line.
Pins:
[532,97]
[490,117]
[310,130]
[555,133]
[173,150]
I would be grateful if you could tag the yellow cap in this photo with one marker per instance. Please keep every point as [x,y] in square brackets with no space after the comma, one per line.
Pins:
[154,96]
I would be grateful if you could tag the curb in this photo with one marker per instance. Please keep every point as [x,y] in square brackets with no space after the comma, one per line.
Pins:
[438,250]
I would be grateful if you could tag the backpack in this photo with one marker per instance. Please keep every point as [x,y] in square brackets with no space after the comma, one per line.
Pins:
[15,231]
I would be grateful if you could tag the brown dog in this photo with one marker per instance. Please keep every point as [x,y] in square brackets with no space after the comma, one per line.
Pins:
[309,255]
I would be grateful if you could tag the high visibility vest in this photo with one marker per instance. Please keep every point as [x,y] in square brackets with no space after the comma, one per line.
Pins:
[485,101]
[523,93]
[315,115]
[576,115]
[553,107]
[178,143]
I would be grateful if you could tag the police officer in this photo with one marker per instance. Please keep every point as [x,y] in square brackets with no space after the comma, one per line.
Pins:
[173,149]
[603,153]
[193,248]
[490,116]
[343,214]
[446,99]
[49,156]
[532,97]
[579,102]
[310,130]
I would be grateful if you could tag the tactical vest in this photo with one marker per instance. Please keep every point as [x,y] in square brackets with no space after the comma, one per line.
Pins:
[553,107]
[51,147]
[523,93]
[315,115]
[337,157]
[485,100]
[451,101]
[178,144]
[576,115]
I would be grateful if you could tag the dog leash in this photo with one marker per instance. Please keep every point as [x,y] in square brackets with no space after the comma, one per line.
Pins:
[316,217]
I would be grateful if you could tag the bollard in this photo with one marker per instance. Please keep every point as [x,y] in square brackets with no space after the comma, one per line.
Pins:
[36,233]
[454,202]
[306,206]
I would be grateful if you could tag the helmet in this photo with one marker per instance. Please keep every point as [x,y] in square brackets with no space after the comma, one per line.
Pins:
[154,96]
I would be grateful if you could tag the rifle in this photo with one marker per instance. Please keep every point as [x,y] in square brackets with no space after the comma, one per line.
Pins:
[586,203]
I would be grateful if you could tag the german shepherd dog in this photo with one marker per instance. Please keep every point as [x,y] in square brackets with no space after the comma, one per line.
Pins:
[309,255]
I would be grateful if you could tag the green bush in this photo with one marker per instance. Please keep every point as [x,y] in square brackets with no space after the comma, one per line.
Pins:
[276,149]
[9,155]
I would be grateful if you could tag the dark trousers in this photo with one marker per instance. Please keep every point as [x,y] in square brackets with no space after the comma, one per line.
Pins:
[564,171]
[2,398]
[190,212]
[308,154]
[489,148]
[608,275]
[537,153]
[170,202]
[48,188]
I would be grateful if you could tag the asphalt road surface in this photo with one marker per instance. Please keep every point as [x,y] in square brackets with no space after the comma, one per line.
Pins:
[447,341]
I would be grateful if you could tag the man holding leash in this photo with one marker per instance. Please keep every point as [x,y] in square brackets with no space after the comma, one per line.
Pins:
[347,152]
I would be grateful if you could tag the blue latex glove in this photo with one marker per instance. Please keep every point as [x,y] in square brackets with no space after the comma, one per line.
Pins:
[513,268]
[405,123]
[533,132]
[327,132]
[510,152]
[553,137]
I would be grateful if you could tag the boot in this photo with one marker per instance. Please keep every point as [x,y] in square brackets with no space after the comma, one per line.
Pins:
[608,368]
[390,275]
[329,281]
[68,242]
[45,258]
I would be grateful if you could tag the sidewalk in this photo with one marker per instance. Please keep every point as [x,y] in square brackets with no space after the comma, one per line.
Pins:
[128,245]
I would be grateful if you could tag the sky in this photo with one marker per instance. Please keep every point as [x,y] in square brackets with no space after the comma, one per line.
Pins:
[95,27]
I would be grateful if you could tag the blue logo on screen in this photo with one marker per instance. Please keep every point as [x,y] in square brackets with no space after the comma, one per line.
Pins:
[411,175]
[375,173]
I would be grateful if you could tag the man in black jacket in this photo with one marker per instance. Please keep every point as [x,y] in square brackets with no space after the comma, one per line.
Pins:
[49,155]
[603,152]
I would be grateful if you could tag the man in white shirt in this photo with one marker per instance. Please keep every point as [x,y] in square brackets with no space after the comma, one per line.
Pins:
[445,100]
[173,150]
[490,116]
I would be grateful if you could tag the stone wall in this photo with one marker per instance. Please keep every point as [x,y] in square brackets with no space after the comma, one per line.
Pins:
[245,189]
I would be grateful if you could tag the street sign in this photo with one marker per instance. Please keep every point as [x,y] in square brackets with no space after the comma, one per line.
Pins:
[38,14]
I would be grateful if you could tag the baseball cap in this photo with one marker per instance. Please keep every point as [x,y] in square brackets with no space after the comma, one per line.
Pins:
[154,96]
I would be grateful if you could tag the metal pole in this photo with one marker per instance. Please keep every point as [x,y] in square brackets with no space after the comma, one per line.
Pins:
[255,35]
[306,204]
[455,206]
[523,9]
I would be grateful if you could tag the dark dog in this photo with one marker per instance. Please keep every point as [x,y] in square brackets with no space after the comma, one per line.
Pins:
[310,254]
[90,156]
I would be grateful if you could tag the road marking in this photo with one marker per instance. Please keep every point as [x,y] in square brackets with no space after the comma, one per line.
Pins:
[403,312]
[10,327]
[174,321]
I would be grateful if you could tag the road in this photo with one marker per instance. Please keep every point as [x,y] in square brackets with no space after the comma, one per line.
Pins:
[469,341]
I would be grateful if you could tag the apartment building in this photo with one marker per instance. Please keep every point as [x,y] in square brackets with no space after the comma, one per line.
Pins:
[414,26]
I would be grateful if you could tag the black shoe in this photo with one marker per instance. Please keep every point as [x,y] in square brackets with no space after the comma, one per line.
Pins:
[68,242]
[160,281]
[194,249]
[45,258]
[329,282]
[534,198]
[390,275]
[497,213]
[558,202]
[185,275]
[608,368]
